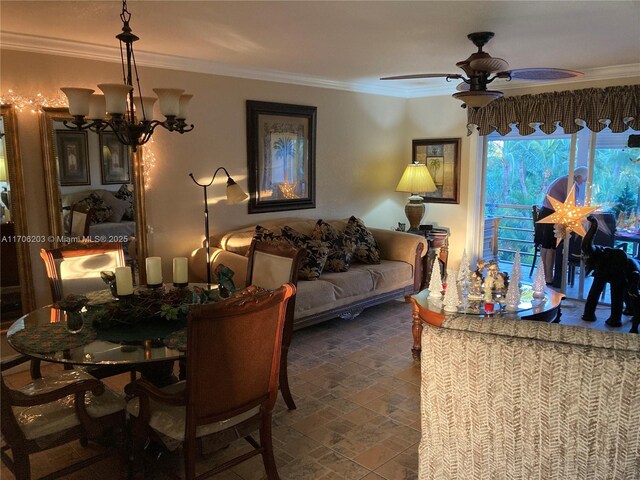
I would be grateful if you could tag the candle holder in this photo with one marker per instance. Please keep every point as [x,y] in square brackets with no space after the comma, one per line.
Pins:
[181,285]
[154,285]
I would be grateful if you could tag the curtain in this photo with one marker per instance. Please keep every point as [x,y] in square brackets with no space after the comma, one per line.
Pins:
[593,108]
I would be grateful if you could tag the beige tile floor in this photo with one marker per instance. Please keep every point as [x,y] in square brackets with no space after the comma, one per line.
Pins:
[356,388]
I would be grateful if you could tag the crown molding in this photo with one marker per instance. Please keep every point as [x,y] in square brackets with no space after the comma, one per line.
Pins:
[66,48]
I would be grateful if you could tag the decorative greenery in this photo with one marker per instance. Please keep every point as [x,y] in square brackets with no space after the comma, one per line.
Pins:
[149,305]
[626,202]
[72,303]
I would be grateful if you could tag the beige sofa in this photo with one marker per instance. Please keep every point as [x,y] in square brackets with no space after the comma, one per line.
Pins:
[505,399]
[333,294]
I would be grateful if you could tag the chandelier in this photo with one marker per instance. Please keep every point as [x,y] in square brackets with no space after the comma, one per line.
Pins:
[129,117]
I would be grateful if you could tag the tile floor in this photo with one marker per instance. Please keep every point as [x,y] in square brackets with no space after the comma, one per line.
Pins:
[357,391]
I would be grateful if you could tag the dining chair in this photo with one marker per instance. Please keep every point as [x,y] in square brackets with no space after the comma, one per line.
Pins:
[75,269]
[80,221]
[231,386]
[53,411]
[270,266]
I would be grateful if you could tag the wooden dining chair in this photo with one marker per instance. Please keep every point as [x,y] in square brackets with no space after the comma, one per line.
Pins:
[53,411]
[80,221]
[270,266]
[233,363]
[75,269]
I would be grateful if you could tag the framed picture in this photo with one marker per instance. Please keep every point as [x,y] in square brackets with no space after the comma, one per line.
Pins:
[281,150]
[115,160]
[73,159]
[442,158]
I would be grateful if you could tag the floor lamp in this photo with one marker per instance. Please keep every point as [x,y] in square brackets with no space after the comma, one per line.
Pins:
[415,179]
[235,194]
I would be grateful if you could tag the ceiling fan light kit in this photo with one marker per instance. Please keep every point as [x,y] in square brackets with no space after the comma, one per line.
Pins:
[481,69]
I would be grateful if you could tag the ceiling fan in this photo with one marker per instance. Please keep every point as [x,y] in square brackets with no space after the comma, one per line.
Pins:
[481,69]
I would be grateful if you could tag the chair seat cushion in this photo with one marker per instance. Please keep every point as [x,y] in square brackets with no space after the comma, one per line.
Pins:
[169,420]
[58,416]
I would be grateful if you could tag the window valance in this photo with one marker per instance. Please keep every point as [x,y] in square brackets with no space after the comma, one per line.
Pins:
[593,108]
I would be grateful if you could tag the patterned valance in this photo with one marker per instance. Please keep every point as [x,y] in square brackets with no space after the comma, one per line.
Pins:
[593,108]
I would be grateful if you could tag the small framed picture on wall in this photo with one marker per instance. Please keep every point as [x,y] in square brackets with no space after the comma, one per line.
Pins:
[73,160]
[115,160]
[442,158]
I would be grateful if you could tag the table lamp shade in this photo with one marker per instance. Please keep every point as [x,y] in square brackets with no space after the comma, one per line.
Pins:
[415,179]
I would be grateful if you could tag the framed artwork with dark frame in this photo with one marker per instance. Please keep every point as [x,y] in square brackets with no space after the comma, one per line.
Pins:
[115,160]
[281,151]
[73,158]
[442,158]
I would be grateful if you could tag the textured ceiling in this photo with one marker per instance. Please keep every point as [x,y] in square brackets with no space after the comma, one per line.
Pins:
[344,42]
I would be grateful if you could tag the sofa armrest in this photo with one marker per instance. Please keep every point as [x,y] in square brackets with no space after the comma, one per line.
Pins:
[237,263]
[399,245]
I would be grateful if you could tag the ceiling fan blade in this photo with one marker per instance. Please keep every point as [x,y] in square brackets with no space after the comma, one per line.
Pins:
[489,65]
[542,74]
[424,75]
[463,87]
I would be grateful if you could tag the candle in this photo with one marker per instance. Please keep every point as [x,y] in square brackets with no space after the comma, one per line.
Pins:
[124,281]
[154,271]
[180,271]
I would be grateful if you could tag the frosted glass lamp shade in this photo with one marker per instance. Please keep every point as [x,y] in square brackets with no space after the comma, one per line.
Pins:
[235,194]
[184,105]
[78,100]
[147,103]
[115,95]
[416,179]
[478,99]
[169,100]
[97,107]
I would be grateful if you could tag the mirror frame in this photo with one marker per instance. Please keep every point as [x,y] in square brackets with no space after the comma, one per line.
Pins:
[18,211]
[52,185]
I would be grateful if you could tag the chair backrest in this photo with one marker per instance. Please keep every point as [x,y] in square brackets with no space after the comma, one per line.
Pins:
[271,265]
[537,227]
[75,268]
[80,221]
[233,358]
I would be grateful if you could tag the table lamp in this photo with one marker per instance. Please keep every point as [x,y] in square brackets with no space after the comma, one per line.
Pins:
[415,179]
[235,194]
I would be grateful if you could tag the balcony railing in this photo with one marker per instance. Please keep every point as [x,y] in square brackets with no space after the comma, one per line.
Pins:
[515,231]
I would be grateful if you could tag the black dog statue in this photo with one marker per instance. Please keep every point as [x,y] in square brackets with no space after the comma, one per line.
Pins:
[612,266]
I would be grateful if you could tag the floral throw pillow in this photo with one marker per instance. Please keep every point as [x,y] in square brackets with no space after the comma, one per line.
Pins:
[262,234]
[101,211]
[127,195]
[316,255]
[340,248]
[366,249]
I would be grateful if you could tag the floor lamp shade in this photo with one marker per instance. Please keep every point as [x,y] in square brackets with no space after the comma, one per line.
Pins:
[415,179]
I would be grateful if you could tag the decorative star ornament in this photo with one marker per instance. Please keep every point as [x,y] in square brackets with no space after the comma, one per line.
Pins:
[568,215]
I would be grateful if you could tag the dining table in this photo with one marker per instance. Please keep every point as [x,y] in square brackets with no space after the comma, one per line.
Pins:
[47,334]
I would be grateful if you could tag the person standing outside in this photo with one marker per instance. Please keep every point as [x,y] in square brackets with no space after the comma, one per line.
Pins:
[558,190]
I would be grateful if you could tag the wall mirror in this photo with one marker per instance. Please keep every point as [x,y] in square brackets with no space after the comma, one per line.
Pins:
[88,170]
[16,290]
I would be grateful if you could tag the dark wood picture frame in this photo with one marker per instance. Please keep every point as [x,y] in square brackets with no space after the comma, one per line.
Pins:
[115,160]
[442,157]
[281,153]
[72,152]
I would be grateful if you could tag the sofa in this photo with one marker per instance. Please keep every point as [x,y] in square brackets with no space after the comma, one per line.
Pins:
[333,294]
[518,399]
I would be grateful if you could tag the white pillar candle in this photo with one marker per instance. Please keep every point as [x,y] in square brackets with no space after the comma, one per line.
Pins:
[124,281]
[154,270]
[180,270]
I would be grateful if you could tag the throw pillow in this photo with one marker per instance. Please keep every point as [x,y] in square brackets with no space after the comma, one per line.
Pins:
[340,249]
[127,195]
[118,207]
[101,211]
[366,249]
[316,255]
[262,234]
